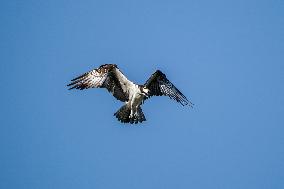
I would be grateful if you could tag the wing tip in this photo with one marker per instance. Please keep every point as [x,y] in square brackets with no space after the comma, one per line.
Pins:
[71,87]
[79,77]
[160,72]
[188,103]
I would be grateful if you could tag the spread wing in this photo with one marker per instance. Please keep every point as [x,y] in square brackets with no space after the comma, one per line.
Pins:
[106,76]
[159,85]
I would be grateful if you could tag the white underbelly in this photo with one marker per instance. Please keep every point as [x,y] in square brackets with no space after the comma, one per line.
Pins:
[137,100]
[136,97]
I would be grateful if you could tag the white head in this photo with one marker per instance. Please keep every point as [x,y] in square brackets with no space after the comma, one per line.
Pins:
[145,91]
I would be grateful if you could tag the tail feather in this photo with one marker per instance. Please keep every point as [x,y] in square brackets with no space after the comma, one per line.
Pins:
[124,115]
[140,115]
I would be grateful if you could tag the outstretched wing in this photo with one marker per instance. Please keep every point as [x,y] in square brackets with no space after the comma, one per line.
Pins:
[159,85]
[106,76]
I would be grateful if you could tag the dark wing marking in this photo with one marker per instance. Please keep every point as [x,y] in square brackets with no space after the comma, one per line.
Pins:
[103,77]
[159,85]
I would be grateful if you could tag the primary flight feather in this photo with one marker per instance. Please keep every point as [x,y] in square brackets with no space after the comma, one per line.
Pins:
[110,77]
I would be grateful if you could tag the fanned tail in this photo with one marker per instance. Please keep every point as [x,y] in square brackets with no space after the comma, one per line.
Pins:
[124,115]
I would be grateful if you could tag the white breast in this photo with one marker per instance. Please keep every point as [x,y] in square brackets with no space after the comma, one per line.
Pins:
[135,96]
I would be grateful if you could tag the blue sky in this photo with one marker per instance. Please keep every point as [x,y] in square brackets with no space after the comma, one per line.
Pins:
[225,56]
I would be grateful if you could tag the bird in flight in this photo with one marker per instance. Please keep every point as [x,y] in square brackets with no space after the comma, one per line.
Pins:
[110,77]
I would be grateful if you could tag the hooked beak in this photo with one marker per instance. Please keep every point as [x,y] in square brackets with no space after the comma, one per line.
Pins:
[145,94]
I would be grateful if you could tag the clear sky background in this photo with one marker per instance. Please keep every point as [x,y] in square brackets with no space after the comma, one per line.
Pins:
[225,56]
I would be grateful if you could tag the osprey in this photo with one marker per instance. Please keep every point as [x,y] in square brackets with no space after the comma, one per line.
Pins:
[110,77]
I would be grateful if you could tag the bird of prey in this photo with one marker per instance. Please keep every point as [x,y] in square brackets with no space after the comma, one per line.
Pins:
[110,77]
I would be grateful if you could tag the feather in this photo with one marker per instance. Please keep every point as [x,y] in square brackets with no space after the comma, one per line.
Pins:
[159,85]
[106,76]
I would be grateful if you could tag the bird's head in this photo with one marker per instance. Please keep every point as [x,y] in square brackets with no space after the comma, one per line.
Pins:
[145,91]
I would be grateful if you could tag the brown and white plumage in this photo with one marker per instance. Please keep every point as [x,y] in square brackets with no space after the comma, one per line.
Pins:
[110,77]
[106,76]
[159,85]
